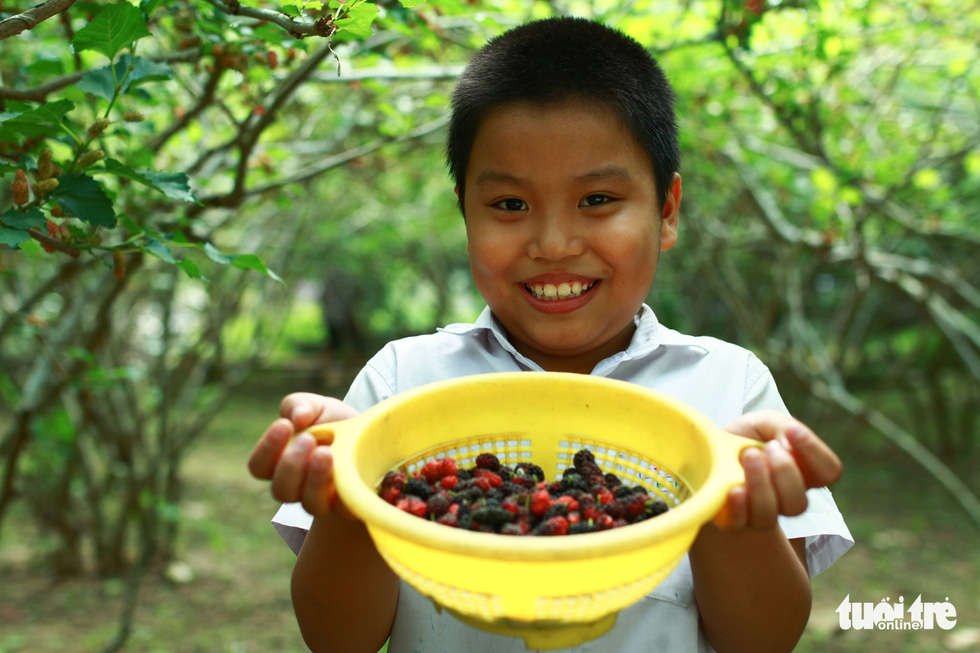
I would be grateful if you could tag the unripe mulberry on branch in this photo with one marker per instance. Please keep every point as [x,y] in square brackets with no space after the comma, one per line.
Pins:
[98,127]
[133,116]
[89,158]
[46,186]
[119,265]
[44,165]
[19,188]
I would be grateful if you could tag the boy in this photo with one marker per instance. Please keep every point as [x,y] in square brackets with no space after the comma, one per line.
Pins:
[563,148]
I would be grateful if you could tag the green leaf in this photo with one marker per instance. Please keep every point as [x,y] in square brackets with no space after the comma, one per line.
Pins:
[85,198]
[358,20]
[242,261]
[147,70]
[52,112]
[174,185]
[23,219]
[253,262]
[13,230]
[101,82]
[411,4]
[12,238]
[191,269]
[118,26]
[290,10]
[39,121]
[215,255]
[161,251]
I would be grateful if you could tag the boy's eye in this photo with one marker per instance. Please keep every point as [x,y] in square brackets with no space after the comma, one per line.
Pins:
[511,204]
[596,199]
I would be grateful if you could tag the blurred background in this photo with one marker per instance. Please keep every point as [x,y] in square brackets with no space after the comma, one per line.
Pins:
[205,205]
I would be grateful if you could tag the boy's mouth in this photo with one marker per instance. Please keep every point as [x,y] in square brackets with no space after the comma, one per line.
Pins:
[551,292]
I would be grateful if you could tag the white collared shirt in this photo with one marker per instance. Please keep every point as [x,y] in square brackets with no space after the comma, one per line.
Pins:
[721,380]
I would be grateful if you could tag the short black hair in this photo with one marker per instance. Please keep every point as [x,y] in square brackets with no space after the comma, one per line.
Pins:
[561,59]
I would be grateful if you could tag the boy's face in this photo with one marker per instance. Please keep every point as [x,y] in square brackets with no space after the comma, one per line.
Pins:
[564,229]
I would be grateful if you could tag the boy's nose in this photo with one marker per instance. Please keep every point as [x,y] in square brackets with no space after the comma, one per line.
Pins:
[555,238]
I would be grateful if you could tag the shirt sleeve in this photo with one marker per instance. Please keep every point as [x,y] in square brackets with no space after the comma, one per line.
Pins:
[821,525]
[291,521]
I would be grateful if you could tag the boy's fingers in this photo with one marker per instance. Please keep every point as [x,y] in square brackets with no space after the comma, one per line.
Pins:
[818,462]
[787,481]
[300,408]
[318,486]
[763,425]
[733,514]
[290,473]
[265,455]
[304,409]
[763,506]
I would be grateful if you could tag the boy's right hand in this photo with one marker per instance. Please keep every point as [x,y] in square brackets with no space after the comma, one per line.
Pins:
[300,470]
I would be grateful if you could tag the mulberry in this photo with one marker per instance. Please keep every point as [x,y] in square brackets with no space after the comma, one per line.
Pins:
[394,479]
[492,515]
[437,504]
[540,502]
[529,470]
[552,526]
[584,461]
[488,461]
[412,505]
[418,487]
[493,498]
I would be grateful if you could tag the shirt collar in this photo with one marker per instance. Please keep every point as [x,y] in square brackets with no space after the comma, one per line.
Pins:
[650,335]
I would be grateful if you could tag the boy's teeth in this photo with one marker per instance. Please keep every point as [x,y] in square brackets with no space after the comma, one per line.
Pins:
[564,290]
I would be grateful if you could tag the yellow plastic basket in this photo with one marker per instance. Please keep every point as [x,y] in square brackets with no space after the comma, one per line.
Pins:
[552,591]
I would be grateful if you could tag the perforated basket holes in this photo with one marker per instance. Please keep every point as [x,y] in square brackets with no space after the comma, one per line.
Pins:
[632,468]
[510,448]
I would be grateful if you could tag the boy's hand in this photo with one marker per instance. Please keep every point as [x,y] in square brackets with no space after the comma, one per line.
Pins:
[778,475]
[300,470]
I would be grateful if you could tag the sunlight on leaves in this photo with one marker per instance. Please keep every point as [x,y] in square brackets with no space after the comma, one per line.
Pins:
[116,27]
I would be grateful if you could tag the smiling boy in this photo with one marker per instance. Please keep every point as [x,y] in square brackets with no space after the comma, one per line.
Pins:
[563,147]
[564,229]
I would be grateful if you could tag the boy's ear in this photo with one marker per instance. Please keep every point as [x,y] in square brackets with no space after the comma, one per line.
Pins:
[670,215]
[456,190]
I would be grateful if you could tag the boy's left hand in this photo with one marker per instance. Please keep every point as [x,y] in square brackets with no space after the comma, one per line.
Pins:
[778,475]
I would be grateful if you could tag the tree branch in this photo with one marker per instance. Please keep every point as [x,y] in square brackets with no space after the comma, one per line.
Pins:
[26,20]
[207,96]
[824,381]
[41,93]
[296,28]
[249,135]
[53,243]
[345,157]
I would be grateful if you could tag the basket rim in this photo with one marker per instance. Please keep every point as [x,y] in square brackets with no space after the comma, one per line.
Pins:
[686,518]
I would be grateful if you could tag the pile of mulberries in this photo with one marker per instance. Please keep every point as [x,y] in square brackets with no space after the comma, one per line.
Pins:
[491,497]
